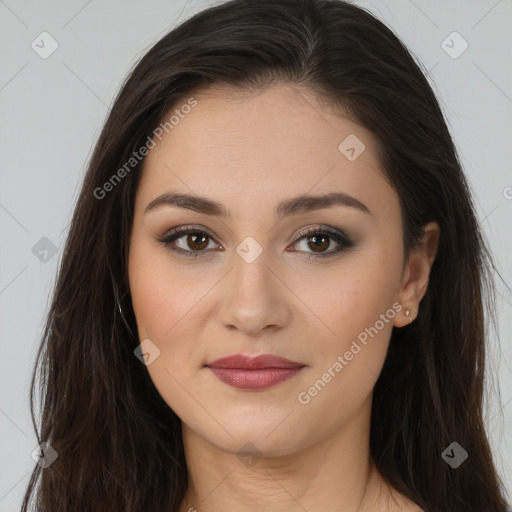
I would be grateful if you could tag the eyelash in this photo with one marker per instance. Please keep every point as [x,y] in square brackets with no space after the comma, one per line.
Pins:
[337,236]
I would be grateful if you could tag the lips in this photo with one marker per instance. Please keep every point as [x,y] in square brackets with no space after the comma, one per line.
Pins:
[254,373]
[251,363]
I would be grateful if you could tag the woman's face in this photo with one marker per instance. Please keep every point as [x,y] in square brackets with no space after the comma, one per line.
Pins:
[256,277]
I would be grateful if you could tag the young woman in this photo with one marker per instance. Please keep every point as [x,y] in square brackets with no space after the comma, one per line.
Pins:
[272,293]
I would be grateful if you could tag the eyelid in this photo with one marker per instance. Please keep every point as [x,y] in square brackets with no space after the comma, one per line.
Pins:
[189,228]
[320,229]
[185,230]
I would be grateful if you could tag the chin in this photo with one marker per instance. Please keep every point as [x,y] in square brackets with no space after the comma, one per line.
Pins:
[258,446]
[270,436]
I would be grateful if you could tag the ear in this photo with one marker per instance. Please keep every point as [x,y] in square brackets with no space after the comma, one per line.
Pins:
[416,274]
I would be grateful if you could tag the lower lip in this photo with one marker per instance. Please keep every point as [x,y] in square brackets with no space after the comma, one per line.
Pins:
[254,379]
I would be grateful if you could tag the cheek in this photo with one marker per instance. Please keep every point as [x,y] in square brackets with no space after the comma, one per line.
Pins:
[355,306]
[154,306]
[163,302]
[348,362]
[352,296]
[164,309]
[161,295]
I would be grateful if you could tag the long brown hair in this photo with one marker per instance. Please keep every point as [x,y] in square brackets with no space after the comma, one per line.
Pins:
[119,444]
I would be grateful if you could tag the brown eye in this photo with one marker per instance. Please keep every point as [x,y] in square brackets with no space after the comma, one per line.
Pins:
[187,241]
[197,242]
[318,243]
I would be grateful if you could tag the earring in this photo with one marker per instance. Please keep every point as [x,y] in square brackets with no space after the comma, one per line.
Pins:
[408,315]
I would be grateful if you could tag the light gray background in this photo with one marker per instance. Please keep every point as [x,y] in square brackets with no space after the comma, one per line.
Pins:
[52,111]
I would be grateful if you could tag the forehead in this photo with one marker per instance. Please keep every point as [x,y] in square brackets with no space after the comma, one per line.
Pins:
[276,141]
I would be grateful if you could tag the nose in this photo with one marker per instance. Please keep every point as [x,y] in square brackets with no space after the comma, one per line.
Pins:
[255,297]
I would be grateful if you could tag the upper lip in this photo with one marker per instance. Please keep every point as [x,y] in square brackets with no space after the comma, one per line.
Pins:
[262,361]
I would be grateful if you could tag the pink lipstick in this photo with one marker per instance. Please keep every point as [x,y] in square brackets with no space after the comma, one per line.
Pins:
[259,372]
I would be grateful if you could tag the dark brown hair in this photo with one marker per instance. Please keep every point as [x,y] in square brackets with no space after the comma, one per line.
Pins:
[119,444]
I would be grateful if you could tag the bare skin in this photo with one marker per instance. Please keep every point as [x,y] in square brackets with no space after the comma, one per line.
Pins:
[310,451]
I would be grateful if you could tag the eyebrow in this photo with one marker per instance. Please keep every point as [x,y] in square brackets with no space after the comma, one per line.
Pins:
[293,206]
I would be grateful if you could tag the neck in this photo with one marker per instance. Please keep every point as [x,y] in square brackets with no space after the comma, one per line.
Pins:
[334,473]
